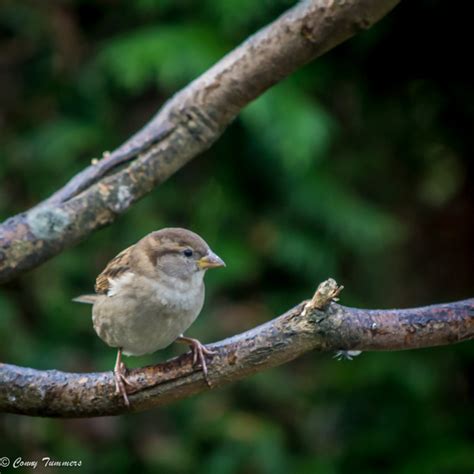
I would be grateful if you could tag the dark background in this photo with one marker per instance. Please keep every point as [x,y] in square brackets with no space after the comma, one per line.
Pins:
[359,167]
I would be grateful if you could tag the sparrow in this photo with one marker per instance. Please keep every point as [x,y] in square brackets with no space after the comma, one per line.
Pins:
[149,295]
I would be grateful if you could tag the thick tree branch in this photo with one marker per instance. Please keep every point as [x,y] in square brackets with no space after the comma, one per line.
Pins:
[187,125]
[314,325]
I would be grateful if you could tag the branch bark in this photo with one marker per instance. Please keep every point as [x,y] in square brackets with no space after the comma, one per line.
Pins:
[186,125]
[319,325]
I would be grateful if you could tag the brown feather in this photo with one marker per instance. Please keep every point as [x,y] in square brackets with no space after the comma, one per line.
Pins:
[173,239]
[115,268]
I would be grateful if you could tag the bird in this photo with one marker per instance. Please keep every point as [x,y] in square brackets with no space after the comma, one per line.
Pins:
[149,295]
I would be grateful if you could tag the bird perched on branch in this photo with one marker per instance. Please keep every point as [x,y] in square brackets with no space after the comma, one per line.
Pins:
[149,294]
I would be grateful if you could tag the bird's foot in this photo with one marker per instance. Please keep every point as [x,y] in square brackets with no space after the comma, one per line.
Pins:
[200,351]
[120,374]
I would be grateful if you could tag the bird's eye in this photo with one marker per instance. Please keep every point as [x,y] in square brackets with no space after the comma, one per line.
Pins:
[188,253]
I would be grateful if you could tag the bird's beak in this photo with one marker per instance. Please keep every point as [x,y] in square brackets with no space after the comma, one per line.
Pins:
[211,260]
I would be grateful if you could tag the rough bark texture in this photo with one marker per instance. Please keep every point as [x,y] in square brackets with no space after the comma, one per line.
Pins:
[187,125]
[313,325]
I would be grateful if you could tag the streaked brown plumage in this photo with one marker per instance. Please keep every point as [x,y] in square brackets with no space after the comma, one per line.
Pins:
[116,267]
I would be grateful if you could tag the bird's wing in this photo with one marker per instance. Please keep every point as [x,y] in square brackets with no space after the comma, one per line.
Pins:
[117,267]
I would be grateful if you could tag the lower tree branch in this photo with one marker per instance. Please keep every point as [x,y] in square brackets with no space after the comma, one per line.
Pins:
[318,324]
[189,123]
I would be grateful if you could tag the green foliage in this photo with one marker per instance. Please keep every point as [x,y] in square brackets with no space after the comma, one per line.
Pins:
[291,126]
[340,170]
[168,55]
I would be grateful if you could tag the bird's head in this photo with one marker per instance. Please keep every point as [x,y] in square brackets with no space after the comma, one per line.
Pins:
[179,253]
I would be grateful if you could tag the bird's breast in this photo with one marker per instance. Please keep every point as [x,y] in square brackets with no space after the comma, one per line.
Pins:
[148,315]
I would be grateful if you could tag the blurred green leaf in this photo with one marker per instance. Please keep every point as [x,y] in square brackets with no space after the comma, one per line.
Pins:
[346,217]
[168,55]
[291,126]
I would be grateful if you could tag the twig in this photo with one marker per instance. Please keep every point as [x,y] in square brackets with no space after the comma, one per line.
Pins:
[59,394]
[327,292]
[186,126]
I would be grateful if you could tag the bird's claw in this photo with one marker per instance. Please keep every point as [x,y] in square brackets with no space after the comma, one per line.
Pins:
[120,375]
[200,351]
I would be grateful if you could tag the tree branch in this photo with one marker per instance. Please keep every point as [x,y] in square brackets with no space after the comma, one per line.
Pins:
[186,125]
[315,325]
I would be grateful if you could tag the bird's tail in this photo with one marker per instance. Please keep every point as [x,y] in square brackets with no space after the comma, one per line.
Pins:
[87,299]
